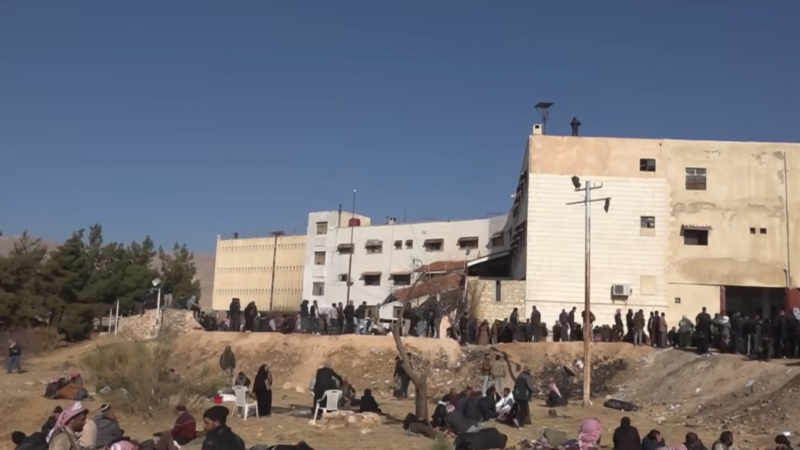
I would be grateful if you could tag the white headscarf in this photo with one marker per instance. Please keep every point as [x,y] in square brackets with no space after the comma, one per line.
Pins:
[796,313]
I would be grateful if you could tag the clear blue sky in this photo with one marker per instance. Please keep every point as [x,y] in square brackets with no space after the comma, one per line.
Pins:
[187,119]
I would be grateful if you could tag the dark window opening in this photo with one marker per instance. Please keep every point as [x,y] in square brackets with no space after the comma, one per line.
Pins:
[372,280]
[695,237]
[695,179]
[752,231]
[647,221]
[401,280]
[647,165]
[763,231]
[398,245]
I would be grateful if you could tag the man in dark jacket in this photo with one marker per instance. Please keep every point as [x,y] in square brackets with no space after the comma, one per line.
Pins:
[457,423]
[638,328]
[703,327]
[108,430]
[536,324]
[304,316]
[349,317]
[575,124]
[219,435]
[523,390]
[14,356]
[227,362]
[234,313]
[361,317]
[626,437]
[326,379]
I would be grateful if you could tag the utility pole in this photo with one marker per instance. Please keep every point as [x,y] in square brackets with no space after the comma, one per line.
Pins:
[352,250]
[587,288]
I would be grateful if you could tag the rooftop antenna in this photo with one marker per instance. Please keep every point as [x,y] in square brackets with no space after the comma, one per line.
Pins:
[544,111]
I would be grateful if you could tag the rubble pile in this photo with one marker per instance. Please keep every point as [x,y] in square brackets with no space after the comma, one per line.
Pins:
[142,327]
[340,419]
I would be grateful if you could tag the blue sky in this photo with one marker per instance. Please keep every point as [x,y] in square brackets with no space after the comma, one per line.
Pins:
[188,119]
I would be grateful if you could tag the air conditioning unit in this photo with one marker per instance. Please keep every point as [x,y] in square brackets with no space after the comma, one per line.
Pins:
[537,129]
[620,290]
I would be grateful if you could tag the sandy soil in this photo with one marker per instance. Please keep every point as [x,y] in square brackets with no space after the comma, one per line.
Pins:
[664,383]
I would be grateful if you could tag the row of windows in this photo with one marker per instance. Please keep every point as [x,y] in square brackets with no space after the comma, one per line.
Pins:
[318,287]
[258,269]
[695,176]
[374,247]
[692,236]
[256,248]
[257,291]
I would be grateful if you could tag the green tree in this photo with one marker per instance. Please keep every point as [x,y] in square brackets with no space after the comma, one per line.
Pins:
[21,299]
[178,270]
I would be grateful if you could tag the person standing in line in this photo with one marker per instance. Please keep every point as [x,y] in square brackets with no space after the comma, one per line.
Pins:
[523,390]
[498,372]
[14,357]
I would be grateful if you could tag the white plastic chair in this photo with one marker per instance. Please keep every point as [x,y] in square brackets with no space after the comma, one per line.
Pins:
[331,399]
[241,401]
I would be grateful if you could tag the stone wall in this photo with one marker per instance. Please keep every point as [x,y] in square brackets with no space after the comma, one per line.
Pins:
[485,293]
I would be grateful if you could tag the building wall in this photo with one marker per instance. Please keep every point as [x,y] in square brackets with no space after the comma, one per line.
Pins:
[622,251]
[749,185]
[391,260]
[244,269]
[497,303]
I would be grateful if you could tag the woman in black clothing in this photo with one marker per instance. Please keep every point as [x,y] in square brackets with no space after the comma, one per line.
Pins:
[262,388]
[368,403]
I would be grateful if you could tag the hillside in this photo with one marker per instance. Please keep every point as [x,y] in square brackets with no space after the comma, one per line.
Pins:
[203,261]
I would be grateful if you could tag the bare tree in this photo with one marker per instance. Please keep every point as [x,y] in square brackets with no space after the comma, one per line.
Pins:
[466,303]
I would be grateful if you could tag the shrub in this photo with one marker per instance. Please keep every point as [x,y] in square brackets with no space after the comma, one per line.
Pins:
[138,374]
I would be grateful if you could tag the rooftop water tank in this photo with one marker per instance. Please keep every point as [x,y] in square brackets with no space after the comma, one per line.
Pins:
[354,222]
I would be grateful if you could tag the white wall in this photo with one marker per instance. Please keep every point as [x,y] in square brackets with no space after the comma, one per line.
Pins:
[621,254]
[391,260]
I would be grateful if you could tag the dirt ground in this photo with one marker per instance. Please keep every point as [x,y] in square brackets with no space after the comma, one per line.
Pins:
[677,391]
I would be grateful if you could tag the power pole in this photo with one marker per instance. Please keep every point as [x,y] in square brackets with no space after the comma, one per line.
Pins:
[352,250]
[587,288]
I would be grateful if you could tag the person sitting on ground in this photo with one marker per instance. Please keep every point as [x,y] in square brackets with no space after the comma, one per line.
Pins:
[36,441]
[185,428]
[242,380]
[87,437]
[589,434]
[472,410]
[437,420]
[456,423]
[725,442]
[108,430]
[653,441]
[782,442]
[69,423]
[18,437]
[218,434]
[368,403]
[486,405]
[554,398]
[626,436]
[51,420]
[503,406]
[693,442]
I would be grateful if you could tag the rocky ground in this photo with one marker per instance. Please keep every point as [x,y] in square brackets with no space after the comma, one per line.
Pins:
[677,391]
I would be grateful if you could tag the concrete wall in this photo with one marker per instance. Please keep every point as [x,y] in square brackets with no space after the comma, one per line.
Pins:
[244,268]
[390,260]
[490,306]
[622,251]
[749,185]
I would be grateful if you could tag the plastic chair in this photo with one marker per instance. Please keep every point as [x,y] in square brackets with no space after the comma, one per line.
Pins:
[331,399]
[241,401]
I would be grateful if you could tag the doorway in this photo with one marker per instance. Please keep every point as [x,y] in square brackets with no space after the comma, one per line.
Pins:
[751,301]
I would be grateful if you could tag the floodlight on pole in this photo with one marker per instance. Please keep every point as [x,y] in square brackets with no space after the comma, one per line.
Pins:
[588,187]
[544,112]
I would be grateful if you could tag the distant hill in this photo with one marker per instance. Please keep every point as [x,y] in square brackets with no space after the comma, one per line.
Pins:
[204,263]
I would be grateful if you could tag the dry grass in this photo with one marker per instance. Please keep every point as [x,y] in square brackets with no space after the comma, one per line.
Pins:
[34,341]
[138,373]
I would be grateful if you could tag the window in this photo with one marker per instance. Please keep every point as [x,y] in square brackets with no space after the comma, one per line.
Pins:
[342,277]
[433,245]
[401,280]
[322,228]
[752,231]
[498,297]
[695,237]
[318,288]
[647,165]
[345,249]
[497,240]
[516,211]
[648,221]
[372,280]
[409,243]
[319,258]
[398,245]
[466,243]
[695,179]
[374,246]
[762,231]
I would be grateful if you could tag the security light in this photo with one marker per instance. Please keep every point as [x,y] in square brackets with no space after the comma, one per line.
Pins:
[156,282]
[576,182]
[607,204]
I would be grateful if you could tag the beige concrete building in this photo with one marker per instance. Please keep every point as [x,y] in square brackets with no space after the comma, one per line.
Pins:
[265,270]
[691,224]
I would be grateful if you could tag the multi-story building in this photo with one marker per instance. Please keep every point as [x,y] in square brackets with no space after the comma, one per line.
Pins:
[265,270]
[381,259]
[690,224]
